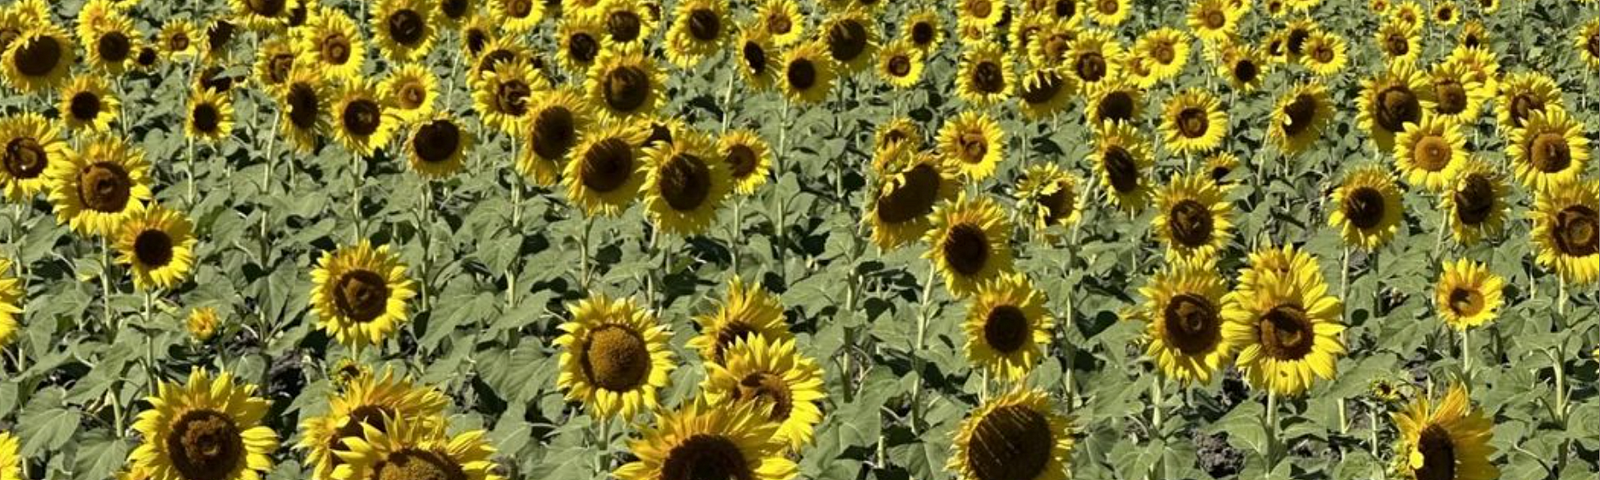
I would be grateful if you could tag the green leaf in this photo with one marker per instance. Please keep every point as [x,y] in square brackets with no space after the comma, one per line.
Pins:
[45,424]
[99,455]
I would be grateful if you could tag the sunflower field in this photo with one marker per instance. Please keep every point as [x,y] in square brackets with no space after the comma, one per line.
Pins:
[799,239]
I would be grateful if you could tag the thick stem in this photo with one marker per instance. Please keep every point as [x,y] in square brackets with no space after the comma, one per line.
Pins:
[1271,415]
[917,360]
[584,265]
[779,172]
[1466,355]
[105,283]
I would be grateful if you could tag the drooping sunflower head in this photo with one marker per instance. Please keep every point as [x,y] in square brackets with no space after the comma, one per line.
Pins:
[1285,328]
[1017,436]
[1398,96]
[1467,294]
[437,147]
[685,182]
[263,15]
[699,29]
[405,29]
[362,122]
[1475,202]
[1549,151]
[29,145]
[517,16]
[38,59]
[1299,117]
[1194,217]
[207,428]
[305,105]
[851,39]
[1212,20]
[614,357]
[1193,122]
[906,194]
[702,441]
[807,73]
[505,95]
[1566,230]
[210,115]
[625,83]
[900,64]
[87,104]
[1114,101]
[773,375]
[1368,212]
[359,294]
[1430,153]
[1445,440]
[1094,56]
[987,74]
[158,245]
[99,186]
[974,142]
[1121,159]
[626,22]
[748,158]
[1399,42]
[1045,92]
[334,43]
[408,449]
[1325,53]
[1049,196]
[748,311]
[410,91]
[1007,327]
[380,400]
[554,121]
[756,56]
[969,243]
[1183,305]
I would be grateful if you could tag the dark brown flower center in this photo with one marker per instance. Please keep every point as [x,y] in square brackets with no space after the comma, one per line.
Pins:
[1044,88]
[627,88]
[374,415]
[1121,169]
[1323,52]
[1365,207]
[104,187]
[988,77]
[741,160]
[362,116]
[1432,153]
[706,456]
[1438,454]
[1452,96]
[555,131]
[922,33]
[114,46]
[361,295]
[802,74]
[1108,7]
[1523,105]
[1010,443]
[205,118]
[437,141]
[278,67]
[1549,152]
[147,56]
[153,248]
[624,26]
[1116,106]
[265,8]
[1214,19]
[519,8]
[205,445]
[511,97]
[1592,44]
[1058,205]
[660,133]
[84,106]
[966,249]
[847,40]
[729,334]
[1396,106]
[179,41]
[914,198]
[769,389]
[1298,114]
[24,158]
[1396,44]
[1006,329]
[1466,302]
[973,147]
[418,464]
[1193,122]
[1286,332]
[1297,40]
[476,40]
[1577,230]
[303,105]
[454,9]
[704,24]
[583,47]
[1091,66]
[1245,70]
[335,49]
[616,358]
[407,27]
[1191,324]
[755,57]
[38,57]
[899,65]
[607,165]
[1475,199]
[1066,9]
[219,33]
[685,182]
[1191,223]
[979,9]
[1163,53]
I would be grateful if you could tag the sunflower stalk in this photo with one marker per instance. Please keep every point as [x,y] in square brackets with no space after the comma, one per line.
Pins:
[105,283]
[188,167]
[780,199]
[426,231]
[1271,415]
[266,173]
[355,194]
[584,264]
[917,360]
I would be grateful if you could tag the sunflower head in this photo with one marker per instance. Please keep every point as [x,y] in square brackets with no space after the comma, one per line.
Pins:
[381,400]
[625,83]
[580,38]
[1015,436]
[11,296]
[850,38]
[1121,158]
[87,104]
[602,175]
[209,427]
[777,378]
[614,356]
[99,186]
[1460,96]
[748,158]
[1220,167]
[407,448]
[517,16]
[1325,53]
[699,440]
[505,94]
[334,43]
[1165,51]
[1093,56]
[1007,327]
[362,121]
[438,146]
[405,29]
[1045,92]
[1048,196]
[684,183]
[900,64]
[1430,153]
[987,74]
[29,145]
[1212,20]
[1299,117]
[1549,150]
[1114,101]
[1193,122]
[1587,42]
[1467,294]
[410,90]
[38,59]
[1183,305]
[969,243]
[1369,211]
[359,293]
[111,44]
[1194,217]
[807,73]
[626,21]
[1475,202]
[906,193]
[699,28]
[1566,230]
[974,142]
[554,121]
[1285,327]
[1394,98]
[1399,42]
[159,246]
[210,116]
[1445,440]
[305,105]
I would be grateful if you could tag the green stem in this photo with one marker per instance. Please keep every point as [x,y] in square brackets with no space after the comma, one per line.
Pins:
[425,229]
[1156,398]
[918,362]
[1272,429]
[583,251]
[355,195]
[1466,355]
[778,155]
[105,283]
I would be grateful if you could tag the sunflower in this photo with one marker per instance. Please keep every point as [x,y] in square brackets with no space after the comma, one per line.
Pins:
[263,15]
[898,130]
[748,312]
[38,59]
[1475,202]
[359,294]
[698,30]
[1048,196]
[1369,210]
[602,174]
[1110,13]
[500,51]
[1488,6]
[1183,303]
[1220,166]
[1052,47]
[1299,118]
[1279,260]
[580,39]
[758,59]
[1482,65]
[1121,158]
[985,13]
[1399,42]
[1410,13]
[1398,96]
[1467,294]
[781,20]
[210,116]
[1460,97]
[111,45]
[554,121]
[29,145]
[614,357]
[986,74]
[625,83]
[178,39]
[407,448]
[1045,92]
[900,64]
[662,130]
[438,146]
[1243,66]
[1429,154]
[1286,328]
[1565,230]
[455,13]
[1587,41]
[1193,217]
[86,104]
[703,441]
[1025,29]
[505,95]
[1446,12]
[363,122]
[773,376]
[10,460]
[1212,21]
[1549,151]
[1474,34]
[517,16]
[475,36]
[905,197]
[275,59]
[1093,56]
[969,243]
[1015,436]
[1325,53]
[146,58]
[1193,122]
[11,295]
[333,42]
[365,398]
[1007,327]
[684,184]
[218,34]
[975,142]
[410,92]
[850,38]
[92,15]
[201,323]
[808,73]
[99,186]
[404,30]
[304,108]
[159,246]
[1138,70]
[209,427]
[1522,95]
[748,158]
[627,22]
[1448,440]
[1166,49]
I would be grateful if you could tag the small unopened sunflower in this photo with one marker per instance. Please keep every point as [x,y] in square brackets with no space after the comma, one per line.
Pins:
[1566,231]
[1183,304]
[209,427]
[698,440]
[1398,96]
[699,28]
[362,123]
[365,397]
[359,294]
[773,375]
[986,75]
[1015,436]
[1121,159]
[407,448]
[748,158]
[900,64]
[684,184]
[553,123]
[969,243]
[517,16]
[1476,202]
[1467,294]
[1428,154]
[99,186]
[87,104]
[1048,196]
[210,117]
[1368,209]
[1299,118]
[905,196]
[29,145]
[410,90]
[1194,217]
[333,43]
[614,357]
[159,246]
[1285,327]
[807,73]
[437,147]
[1445,440]
[625,83]
[202,323]
[1549,151]
[1193,122]
[1007,327]
[38,59]
[974,142]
